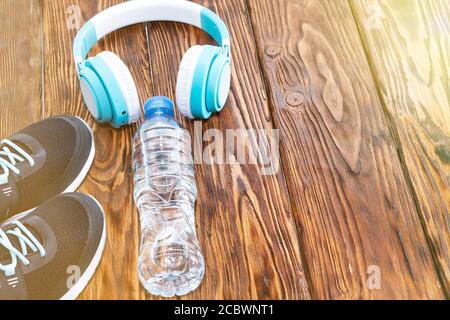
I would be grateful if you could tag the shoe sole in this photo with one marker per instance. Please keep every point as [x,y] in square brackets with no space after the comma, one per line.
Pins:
[75,291]
[75,184]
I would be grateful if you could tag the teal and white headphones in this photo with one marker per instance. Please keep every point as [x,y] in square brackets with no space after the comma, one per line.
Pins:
[107,86]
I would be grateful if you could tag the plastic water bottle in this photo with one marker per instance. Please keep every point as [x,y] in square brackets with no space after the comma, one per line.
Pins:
[170,260]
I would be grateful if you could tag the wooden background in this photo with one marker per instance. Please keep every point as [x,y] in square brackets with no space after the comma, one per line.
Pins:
[360,92]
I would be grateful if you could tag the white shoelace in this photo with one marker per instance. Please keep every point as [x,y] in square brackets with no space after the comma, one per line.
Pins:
[13,158]
[26,238]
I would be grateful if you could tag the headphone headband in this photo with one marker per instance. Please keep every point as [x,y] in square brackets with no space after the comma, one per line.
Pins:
[139,11]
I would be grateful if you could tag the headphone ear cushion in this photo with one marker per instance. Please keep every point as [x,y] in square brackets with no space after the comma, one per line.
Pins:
[94,95]
[125,81]
[185,78]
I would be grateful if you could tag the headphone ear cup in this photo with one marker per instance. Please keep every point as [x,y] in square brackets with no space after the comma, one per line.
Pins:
[126,84]
[185,78]
[218,84]
[94,95]
[119,87]
[203,81]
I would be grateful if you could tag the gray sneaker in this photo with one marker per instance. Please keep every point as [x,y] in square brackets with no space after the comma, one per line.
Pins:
[52,252]
[45,159]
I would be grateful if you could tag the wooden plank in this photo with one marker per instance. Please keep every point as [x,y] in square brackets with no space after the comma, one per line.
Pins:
[110,179]
[20,65]
[244,219]
[408,43]
[358,224]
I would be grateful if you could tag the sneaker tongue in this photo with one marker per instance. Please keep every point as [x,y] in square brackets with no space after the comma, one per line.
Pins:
[23,145]
[5,254]
[19,143]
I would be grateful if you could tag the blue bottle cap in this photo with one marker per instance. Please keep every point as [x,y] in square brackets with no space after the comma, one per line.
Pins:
[159,105]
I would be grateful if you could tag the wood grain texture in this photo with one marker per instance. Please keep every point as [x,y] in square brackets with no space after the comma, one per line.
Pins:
[110,179]
[364,178]
[408,44]
[244,218]
[20,64]
[352,202]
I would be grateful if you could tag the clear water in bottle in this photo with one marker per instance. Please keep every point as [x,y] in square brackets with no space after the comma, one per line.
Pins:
[170,260]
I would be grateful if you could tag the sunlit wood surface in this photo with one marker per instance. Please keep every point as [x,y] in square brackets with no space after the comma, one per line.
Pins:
[359,91]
